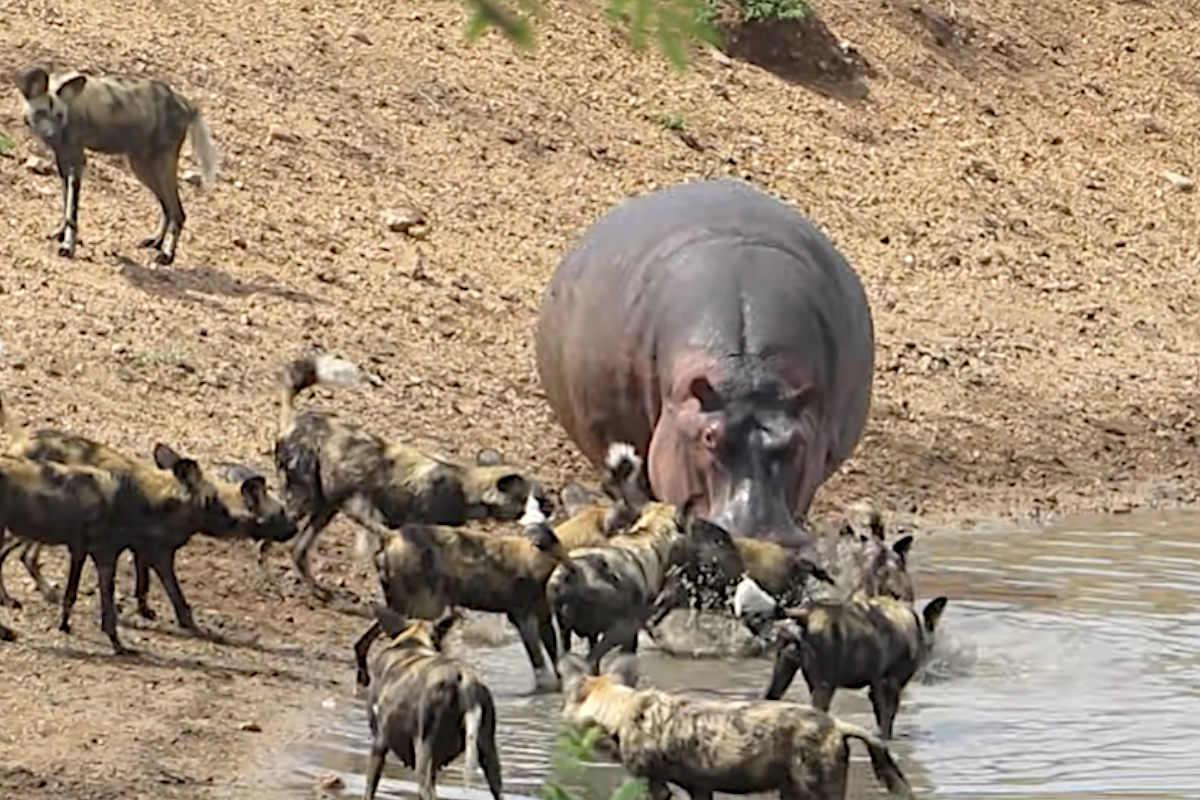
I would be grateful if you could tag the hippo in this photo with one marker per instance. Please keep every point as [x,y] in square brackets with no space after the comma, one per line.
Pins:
[719,332]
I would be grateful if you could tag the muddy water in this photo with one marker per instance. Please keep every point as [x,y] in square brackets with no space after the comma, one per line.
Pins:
[1069,667]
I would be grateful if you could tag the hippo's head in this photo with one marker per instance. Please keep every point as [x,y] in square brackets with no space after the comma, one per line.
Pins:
[748,448]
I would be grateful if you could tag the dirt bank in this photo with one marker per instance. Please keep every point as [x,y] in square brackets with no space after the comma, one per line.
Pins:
[996,175]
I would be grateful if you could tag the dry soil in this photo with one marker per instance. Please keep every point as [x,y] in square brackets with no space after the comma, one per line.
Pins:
[997,172]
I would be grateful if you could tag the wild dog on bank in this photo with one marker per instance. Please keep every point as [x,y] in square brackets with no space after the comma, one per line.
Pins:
[606,594]
[424,570]
[257,513]
[327,462]
[139,117]
[878,642]
[426,707]
[707,746]
[100,513]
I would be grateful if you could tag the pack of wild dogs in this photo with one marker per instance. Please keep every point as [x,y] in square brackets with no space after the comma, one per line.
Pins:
[840,610]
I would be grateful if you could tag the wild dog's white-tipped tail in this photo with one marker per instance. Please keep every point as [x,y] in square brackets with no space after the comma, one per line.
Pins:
[885,767]
[533,515]
[204,149]
[333,371]
[622,454]
[751,600]
[472,725]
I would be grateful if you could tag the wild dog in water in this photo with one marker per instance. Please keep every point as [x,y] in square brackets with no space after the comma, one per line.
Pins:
[142,118]
[100,513]
[426,707]
[707,746]
[426,569]
[326,462]
[591,524]
[606,594]
[258,514]
[878,642]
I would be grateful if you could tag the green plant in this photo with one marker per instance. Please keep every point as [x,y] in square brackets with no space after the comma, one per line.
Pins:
[672,122]
[753,10]
[7,145]
[571,750]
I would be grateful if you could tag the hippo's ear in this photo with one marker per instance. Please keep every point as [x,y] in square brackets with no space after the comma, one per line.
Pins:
[933,613]
[902,546]
[624,670]
[392,622]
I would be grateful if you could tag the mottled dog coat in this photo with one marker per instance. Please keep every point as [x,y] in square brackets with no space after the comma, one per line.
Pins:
[142,118]
[327,462]
[426,707]
[707,746]
[425,570]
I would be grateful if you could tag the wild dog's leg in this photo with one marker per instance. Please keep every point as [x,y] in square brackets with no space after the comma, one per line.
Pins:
[60,165]
[106,571]
[622,634]
[29,557]
[787,664]
[360,651]
[164,565]
[8,543]
[71,231]
[141,590]
[658,790]
[821,696]
[143,168]
[885,702]
[426,769]
[549,635]
[166,166]
[374,766]
[304,544]
[489,759]
[78,555]
[526,624]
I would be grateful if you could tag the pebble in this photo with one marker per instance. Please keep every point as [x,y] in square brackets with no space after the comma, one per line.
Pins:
[1181,183]
[280,134]
[411,221]
[38,165]
[360,35]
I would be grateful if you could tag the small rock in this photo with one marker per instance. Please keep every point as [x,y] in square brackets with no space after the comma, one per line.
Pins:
[38,165]
[510,295]
[251,727]
[280,134]
[411,221]
[360,35]
[327,780]
[1149,124]
[720,57]
[1181,183]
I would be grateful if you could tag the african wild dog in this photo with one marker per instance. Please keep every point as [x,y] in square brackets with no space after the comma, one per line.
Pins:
[99,513]
[327,462]
[878,642]
[426,707]
[258,514]
[591,524]
[426,569]
[707,746]
[142,118]
[606,594]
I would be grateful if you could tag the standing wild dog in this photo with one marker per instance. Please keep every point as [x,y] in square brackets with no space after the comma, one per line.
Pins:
[142,118]
[100,513]
[327,462]
[591,524]
[424,570]
[426,707]
[258,514]
[878,642]
[707,746]
[606,594]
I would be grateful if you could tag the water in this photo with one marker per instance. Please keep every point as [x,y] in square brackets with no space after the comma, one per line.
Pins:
[1068,667]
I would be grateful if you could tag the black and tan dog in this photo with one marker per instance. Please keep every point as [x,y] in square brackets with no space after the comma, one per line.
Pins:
[142,118]
[607,594]
[426,707]
[878,642]
[708,746]
[327,462]
[424,570]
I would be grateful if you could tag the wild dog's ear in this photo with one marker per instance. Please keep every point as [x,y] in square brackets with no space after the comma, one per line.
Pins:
[545,540]
[165,456]
[513,485]
[392,622]
[254,493]
[933,613]
[188,472]
[572,668]
[488,457]
[71,89]
[624,670]
[902,546]
[33,82]
[444,624]
[811,568]
[875,523]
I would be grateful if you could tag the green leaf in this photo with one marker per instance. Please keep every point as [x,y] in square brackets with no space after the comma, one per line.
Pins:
[7,145]
[632,789]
